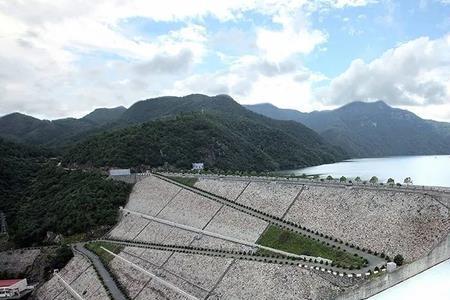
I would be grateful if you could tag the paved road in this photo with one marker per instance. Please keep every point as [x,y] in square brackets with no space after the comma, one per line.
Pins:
[114,290]
[374,261]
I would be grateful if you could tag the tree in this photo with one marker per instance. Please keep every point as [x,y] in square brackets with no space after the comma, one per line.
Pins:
[407,181]
[358,179]
[398,259]
[391,181]
[343,179]
[62,256]
[374,180]
[329,177]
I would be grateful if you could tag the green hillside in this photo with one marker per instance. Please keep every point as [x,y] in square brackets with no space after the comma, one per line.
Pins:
[25,129]
[66,202]
[38,197]
[18,165]
[223,141]
[225,136]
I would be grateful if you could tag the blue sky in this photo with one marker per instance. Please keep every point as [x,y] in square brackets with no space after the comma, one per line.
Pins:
[66,58]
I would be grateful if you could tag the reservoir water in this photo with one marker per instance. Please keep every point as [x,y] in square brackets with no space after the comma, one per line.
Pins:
[433,170]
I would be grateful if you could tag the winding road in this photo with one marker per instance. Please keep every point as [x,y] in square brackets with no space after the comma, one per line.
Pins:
[108,281]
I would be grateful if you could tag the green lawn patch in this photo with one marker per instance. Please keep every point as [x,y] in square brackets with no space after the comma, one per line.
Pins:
[104,256]
[74,238]
[278,238]
[189,181]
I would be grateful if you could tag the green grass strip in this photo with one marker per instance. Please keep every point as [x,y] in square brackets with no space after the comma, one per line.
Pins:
[278,238]
[104,256]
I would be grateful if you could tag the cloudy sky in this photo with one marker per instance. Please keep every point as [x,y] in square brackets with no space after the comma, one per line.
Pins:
[62,58]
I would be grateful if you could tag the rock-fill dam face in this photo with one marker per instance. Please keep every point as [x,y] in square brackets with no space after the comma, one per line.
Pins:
[389,221]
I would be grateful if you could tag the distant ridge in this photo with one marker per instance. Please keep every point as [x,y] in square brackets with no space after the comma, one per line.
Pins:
[370,129]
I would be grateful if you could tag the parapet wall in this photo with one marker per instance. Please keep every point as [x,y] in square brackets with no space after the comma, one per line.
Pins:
[377,285]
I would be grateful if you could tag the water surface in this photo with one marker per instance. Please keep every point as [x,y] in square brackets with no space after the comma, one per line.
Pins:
[433,170]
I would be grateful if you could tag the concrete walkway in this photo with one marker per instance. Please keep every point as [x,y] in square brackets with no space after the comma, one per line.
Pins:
[110,284]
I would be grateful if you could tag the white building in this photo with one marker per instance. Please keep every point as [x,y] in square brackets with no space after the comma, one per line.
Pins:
[119,172]
[197,166]
[391,266]
[14,288]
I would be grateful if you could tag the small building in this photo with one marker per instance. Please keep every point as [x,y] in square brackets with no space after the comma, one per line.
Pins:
[119,172]
[198,166]
[14,288]
[391,266]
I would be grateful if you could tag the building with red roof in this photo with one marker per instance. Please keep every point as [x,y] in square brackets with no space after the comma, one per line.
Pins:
[14,288]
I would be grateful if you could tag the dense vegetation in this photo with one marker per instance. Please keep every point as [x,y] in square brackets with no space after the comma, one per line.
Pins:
[66,202]
[221,142]
[370,129]
[62,256]
[260,142]
[18,165]
[278,238]
[38,197]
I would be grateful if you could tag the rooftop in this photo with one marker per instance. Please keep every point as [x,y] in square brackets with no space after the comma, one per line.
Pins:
[9,282]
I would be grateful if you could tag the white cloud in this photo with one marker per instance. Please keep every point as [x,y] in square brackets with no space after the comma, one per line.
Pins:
[295,37]
[252,79]
[63,58]
[413,74]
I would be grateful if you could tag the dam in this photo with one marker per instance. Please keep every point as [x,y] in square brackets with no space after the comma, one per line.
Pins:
[359,219]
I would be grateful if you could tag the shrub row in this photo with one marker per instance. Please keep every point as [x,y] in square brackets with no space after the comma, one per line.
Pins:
[223,252]
[270,218]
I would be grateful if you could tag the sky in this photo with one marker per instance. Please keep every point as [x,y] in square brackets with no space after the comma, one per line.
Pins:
[61,58]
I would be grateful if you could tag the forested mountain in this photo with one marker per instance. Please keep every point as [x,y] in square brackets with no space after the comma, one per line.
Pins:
[370,129]
[164,107]
[38,196]
[361,129]
[102,116]
[18,165]
[233,137]
[223,141]
[25,129]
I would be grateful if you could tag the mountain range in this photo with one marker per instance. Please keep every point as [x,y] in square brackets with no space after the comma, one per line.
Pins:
[370,129]
[177,131]
[225,135]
